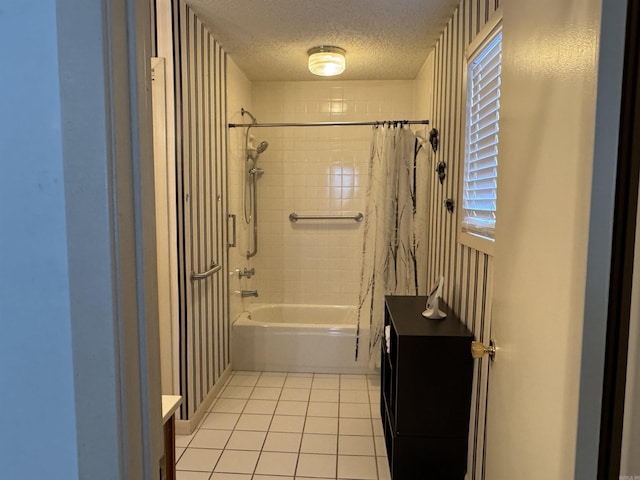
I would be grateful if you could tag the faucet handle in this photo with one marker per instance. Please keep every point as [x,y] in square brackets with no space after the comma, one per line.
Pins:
[247,272]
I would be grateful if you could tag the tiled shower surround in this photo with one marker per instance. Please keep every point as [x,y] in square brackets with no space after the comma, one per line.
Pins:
[316,170]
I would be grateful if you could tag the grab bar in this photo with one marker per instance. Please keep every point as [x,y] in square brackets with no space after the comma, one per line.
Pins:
[294,217]
[232,216]
[199,276]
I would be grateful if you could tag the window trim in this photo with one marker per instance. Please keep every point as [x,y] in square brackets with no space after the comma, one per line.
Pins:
[486,35]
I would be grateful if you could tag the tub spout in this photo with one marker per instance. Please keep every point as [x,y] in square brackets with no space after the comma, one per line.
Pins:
[248,293]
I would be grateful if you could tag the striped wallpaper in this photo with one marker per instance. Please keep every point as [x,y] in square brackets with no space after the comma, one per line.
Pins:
[202,199]
[468,273]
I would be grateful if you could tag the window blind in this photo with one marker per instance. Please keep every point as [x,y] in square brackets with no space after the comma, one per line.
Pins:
[481,155]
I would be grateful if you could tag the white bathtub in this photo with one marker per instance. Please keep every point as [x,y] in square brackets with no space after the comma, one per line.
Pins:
[299,338]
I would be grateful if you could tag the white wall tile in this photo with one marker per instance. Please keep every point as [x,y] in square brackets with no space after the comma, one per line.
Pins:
[307,170]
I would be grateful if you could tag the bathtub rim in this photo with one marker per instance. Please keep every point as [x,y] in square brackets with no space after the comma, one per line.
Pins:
[243,319]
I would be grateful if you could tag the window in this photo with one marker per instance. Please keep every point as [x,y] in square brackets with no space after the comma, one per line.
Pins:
[480,175]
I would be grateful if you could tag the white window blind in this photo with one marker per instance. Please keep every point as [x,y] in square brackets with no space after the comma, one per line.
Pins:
[481,156]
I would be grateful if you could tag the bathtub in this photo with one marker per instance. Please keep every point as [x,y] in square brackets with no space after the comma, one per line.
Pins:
[299,338]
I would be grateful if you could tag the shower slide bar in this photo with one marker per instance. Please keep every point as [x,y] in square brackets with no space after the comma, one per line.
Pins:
[294,217]
[331,124]
[200,276]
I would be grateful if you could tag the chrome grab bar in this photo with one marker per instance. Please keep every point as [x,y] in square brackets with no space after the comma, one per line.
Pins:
[294,217]
[232,216]
[213,269]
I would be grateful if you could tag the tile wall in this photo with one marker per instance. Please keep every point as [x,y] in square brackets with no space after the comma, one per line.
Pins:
[238,97]
[316,170]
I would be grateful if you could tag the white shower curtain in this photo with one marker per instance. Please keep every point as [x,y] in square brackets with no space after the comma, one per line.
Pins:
[395,228]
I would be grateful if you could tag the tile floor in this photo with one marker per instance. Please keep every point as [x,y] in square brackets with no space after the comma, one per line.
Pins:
[286,426]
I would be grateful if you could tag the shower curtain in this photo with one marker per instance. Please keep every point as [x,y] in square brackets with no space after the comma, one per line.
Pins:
[395,227]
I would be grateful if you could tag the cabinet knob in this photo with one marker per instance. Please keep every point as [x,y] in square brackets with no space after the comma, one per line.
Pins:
[479,349]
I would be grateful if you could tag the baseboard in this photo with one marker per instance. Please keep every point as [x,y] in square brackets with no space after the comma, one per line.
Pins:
[187,427]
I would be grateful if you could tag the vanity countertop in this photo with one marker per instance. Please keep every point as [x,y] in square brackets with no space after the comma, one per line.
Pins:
[170,404]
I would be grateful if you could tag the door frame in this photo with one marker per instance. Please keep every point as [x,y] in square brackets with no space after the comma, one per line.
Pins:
[622,258]
[103,59]
[611,241]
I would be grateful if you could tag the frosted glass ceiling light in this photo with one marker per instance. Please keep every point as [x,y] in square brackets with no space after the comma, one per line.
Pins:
[326,61]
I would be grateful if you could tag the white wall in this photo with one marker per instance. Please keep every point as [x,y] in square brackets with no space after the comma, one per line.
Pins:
[316,170]
[36,370]
[424,88]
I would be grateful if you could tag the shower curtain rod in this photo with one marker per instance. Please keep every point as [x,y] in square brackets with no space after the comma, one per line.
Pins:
[329,124]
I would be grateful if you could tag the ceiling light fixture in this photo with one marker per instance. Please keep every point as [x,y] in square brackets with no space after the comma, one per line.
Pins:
[326,61]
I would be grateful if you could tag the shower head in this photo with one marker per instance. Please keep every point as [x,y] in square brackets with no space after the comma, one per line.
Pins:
[254,153]
[262,147]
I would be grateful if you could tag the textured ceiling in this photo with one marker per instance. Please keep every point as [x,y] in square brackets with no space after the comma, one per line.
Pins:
[269,39]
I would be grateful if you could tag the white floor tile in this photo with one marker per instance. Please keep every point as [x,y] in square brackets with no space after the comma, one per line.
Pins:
[249,421]
[361,468]
[353,384]
[179,452]
[210,438]
[355,410]
[356,445]
[316,465]
[298,382]
[230,476]
[184,440]
[354,396]
[323,409]
[265,393]
[377,426]
[243,380]
[270,381]
[373,381]
[381,449]
[383,469]
[282,442]
[314,478]
[276,463]
[198,459]
[220,421]
[275,374]
[326,383]
[295,394]
[355,426]
[266,407]
[233,391]
[272,477]
[246,372]
[319,443]
[287,407]
[287,423]
[228,405]
[242,440]
[374,392]
[320,395]
[192,475]
[237,461]
[270,411]
[321,425]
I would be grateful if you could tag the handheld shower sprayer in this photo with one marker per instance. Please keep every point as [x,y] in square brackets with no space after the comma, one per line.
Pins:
[254,153]
[262,147]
